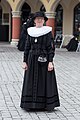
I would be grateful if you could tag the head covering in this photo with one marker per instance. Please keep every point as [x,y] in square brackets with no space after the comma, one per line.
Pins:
[40,14]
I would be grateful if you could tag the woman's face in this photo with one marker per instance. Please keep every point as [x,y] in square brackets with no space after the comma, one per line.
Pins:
[39,21]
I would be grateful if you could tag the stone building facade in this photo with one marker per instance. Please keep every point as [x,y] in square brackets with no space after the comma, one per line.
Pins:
[63,16]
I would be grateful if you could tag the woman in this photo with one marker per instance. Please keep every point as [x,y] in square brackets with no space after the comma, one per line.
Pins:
[39,88]
[72,45]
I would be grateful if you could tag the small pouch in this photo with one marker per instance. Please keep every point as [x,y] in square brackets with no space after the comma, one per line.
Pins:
[42,59]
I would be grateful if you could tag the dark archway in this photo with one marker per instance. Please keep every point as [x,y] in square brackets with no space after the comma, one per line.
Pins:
[42,8]
[0,15]
[76,27]
[26,10]
[4,29]
[59,20]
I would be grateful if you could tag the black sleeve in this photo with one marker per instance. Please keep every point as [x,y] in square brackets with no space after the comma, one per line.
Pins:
[50,47]
[27,48]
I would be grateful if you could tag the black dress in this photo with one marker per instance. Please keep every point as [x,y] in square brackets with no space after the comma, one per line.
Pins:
[23,36]
[39,86]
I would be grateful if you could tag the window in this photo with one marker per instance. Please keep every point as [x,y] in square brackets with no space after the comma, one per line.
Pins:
[6,17]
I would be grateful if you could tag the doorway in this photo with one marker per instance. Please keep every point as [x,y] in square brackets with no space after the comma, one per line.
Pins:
[59,20]
[58,25]
[26,10]
[4,29]
[76,27]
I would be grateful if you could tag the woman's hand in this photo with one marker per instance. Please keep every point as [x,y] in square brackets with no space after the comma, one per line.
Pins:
[24,66]
[50,66]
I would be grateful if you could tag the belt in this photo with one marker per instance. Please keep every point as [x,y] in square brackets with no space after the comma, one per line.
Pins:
[35,52]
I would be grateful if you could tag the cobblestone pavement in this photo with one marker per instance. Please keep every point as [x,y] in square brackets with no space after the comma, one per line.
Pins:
[67,67]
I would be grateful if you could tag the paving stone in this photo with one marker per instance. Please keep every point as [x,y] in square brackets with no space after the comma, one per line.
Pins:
[7,119]
[67,68]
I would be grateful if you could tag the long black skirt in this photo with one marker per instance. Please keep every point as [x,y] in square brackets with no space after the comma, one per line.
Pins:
[39,88]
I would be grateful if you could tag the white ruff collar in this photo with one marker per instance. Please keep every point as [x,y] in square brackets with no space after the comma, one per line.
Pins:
[36,32]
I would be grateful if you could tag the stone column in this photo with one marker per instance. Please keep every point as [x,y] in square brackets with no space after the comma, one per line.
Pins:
[15,27]
[51,20]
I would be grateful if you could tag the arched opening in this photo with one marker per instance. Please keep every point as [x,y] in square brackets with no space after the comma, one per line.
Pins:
[59,20]
[76,28]
[4,29]
[26,10]
[5,21]
[0,15]
[58,25]
[42,8]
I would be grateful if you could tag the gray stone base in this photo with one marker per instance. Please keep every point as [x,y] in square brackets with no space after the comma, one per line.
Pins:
[14,42]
